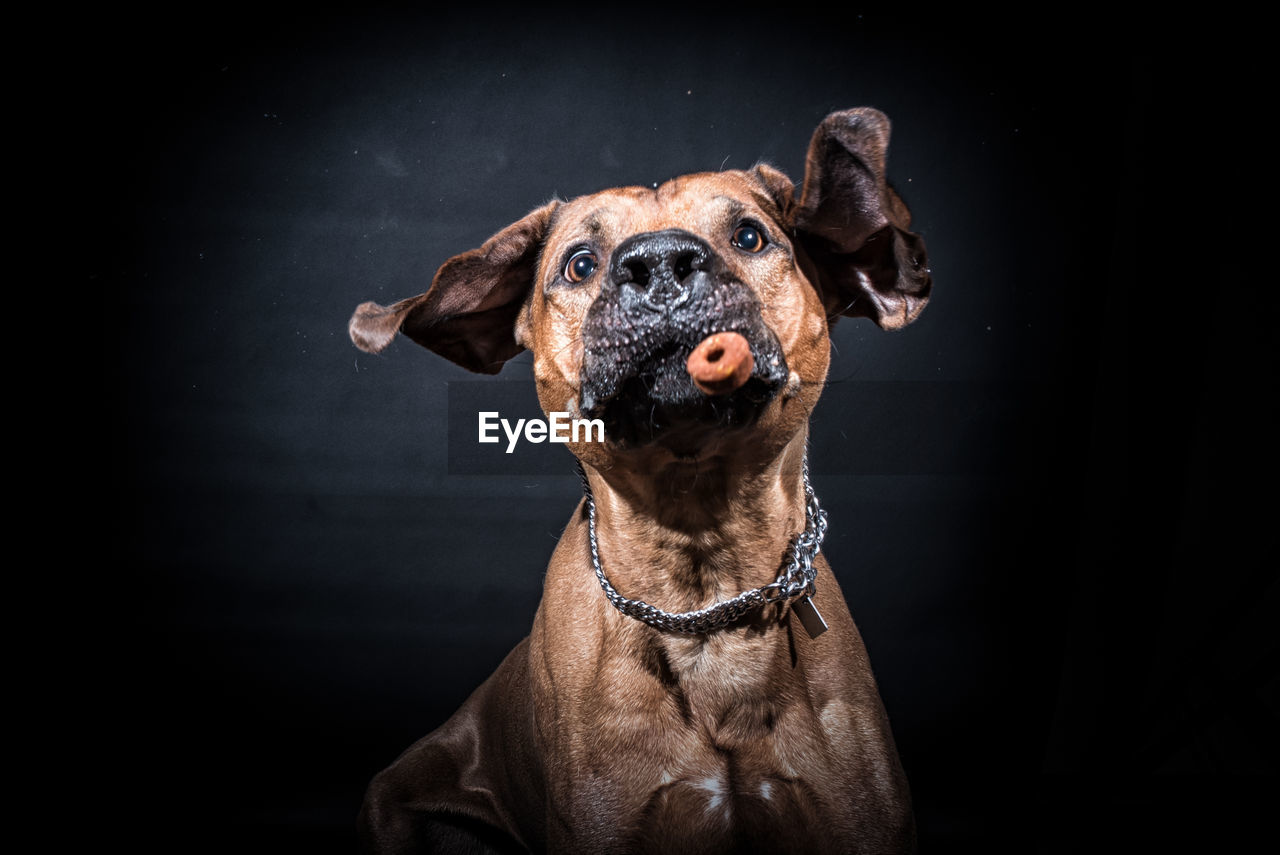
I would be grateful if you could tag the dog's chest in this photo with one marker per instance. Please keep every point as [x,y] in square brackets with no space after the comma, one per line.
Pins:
[733,758]
[721,809]
[770,793]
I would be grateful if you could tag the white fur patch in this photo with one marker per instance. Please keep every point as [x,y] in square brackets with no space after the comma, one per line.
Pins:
[714,787]
[837,723]
[793,385]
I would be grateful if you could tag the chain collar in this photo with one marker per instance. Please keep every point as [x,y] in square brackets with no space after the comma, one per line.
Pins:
[795,581]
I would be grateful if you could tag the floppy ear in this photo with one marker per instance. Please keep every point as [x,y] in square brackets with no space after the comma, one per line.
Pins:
[854,226]
[468,314]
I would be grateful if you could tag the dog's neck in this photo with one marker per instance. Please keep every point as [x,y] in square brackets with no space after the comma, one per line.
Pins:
[685,536]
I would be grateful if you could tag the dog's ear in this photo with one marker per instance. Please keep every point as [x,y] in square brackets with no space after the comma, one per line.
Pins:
[468,314]
[853,225]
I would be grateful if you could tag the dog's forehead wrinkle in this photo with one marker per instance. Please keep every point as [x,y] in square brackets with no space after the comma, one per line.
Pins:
[594,221]
[733,206]
[602,220]
[704,204]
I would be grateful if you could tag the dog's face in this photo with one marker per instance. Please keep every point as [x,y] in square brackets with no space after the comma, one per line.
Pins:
[630,281]
[612,291]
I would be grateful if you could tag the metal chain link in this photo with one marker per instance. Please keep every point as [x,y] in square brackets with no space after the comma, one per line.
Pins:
[795,580]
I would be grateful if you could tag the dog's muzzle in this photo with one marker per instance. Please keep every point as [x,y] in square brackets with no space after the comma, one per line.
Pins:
[665,293]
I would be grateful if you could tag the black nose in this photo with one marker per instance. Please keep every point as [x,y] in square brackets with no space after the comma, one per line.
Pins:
[662,268]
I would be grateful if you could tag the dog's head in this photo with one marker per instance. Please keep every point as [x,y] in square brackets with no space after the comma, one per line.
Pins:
[612,291]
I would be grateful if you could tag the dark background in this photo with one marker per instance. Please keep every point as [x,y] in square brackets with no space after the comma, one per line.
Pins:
[1074,651]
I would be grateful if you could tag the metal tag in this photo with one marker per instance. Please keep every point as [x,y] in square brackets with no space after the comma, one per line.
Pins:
[809,616]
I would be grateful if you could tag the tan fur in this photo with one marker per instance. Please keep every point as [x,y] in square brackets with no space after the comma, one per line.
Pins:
[602,734]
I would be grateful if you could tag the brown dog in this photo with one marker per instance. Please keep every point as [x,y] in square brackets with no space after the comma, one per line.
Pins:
[638,716]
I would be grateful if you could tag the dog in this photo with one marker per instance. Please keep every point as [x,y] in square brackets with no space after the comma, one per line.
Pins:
[693,681]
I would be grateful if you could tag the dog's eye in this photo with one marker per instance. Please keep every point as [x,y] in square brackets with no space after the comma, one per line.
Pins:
[580,265]
[748,236]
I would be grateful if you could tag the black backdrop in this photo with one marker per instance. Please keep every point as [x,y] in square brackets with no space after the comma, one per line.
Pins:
[313,580]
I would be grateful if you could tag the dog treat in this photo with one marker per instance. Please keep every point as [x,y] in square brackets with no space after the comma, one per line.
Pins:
[721,363]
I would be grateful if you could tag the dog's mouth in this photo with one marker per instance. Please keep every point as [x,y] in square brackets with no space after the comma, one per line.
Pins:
[635,375]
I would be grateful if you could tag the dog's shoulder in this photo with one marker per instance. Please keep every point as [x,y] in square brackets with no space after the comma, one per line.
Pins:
[471,785]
